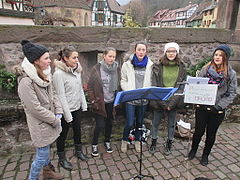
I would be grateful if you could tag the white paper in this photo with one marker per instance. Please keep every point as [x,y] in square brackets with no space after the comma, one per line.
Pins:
[184,124]
[201,94]
[197,80]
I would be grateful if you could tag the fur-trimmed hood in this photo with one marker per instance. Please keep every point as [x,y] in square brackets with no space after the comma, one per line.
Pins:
[28,69]
[61,65]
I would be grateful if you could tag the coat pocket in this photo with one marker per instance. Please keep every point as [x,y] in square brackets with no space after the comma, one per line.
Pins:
[45,130]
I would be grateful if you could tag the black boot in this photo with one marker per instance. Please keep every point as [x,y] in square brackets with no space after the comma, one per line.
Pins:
[204,160]
[152,148]
[79,154]
[168,147]
[63,161]
[192,154]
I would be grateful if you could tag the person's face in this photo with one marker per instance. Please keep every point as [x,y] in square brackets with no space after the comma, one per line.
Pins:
[110,57]
[171,53]
[72,60]
[44,61]
[218,57]
[140,51]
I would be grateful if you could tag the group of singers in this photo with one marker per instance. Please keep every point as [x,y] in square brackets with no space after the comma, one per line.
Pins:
[54,103]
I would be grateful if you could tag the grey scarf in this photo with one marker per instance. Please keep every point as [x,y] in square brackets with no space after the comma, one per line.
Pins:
[112,71]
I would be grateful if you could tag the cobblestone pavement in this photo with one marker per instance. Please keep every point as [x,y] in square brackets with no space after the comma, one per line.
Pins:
[224,161]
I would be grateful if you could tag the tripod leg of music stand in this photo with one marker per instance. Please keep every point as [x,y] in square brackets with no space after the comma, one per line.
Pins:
[140,175]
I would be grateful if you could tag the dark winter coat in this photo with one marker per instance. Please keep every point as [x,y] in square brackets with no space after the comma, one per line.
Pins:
[95,90]
[157,80]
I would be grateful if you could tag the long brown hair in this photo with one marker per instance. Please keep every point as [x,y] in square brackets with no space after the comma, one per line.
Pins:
[223,67]
[40,73]
[165,61]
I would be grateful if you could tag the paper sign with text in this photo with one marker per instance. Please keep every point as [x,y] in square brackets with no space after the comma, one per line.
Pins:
[200,94]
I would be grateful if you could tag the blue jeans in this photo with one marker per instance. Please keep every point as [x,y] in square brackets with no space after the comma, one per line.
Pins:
[135,116]
[158,116]
[41,159]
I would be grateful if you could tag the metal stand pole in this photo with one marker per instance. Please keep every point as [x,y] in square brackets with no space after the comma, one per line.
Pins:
[140,175]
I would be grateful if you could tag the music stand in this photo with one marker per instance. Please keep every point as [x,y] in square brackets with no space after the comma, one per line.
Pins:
[152,93]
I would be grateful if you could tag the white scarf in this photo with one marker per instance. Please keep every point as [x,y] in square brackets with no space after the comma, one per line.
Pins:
[31,71]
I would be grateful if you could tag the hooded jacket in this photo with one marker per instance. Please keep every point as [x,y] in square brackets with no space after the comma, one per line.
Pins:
[40,104]
[68,85]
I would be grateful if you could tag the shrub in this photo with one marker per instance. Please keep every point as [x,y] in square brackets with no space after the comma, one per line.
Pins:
[194,69]
[8,81]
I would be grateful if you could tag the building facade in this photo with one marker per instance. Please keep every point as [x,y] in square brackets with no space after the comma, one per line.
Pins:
[210,15]
[156,20]
[195,20]
[169,20]
[60,13]
[107,13]
[16,12]
[183,14]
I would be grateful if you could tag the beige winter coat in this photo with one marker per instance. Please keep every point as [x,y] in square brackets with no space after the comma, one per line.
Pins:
[40,105]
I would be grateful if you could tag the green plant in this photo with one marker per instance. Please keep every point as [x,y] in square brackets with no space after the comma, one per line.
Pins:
[193,69]
[7,80]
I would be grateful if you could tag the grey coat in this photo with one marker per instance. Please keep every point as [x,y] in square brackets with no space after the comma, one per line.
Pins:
[40,105]
[226,93]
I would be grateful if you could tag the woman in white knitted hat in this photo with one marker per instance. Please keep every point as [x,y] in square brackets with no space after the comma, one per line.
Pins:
[166,73]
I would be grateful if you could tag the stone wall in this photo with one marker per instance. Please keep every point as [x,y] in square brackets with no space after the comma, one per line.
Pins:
[196,44]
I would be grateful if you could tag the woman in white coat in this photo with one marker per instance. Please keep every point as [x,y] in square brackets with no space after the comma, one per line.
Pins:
[135,73]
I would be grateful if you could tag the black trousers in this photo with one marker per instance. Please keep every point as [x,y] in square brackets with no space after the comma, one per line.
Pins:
[76,125]
[209,121]
[103,124]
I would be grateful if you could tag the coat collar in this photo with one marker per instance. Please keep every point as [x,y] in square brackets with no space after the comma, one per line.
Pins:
[31,72]
[61,65]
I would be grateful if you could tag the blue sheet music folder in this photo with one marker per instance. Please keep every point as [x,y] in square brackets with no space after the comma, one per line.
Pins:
[152,93]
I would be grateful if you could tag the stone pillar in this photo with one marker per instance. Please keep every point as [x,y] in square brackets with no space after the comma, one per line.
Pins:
[238,19]
[236,37]
[224,16]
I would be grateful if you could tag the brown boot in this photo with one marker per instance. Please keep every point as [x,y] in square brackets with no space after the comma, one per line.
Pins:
[49,173]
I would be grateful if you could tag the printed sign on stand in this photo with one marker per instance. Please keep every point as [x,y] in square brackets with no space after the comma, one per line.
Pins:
[200,94]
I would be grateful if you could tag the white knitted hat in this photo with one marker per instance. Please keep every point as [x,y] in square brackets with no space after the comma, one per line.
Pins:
[171,45]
